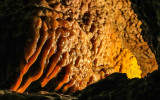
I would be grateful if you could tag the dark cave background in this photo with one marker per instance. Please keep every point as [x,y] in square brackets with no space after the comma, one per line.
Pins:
[113,87]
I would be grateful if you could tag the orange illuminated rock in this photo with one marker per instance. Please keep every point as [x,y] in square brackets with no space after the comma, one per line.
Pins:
[78,42]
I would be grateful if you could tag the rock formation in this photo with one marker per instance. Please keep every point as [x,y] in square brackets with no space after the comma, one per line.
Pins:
[66,45]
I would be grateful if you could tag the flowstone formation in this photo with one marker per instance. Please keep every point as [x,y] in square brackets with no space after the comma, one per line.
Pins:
[67,45]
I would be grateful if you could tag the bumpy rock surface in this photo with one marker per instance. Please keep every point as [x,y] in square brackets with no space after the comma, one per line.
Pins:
[117,86]
[67,45]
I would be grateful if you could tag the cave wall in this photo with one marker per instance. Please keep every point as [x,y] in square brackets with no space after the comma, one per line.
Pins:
[117,86]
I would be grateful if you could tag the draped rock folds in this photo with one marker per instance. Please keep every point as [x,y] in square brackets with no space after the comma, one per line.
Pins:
[74,43]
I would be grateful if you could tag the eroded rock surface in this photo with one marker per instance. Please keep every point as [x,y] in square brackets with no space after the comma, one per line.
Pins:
[66,45]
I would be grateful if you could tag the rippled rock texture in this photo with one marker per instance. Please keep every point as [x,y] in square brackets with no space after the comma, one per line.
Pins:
[66,45]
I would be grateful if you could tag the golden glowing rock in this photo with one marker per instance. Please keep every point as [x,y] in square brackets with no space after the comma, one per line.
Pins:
[73,44]
[127,63]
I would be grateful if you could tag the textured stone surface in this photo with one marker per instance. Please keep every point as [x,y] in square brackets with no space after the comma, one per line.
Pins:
[8,95]
[67,45]
[116,86]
